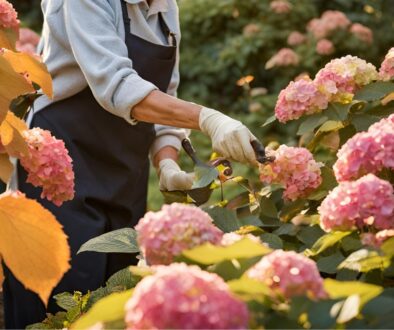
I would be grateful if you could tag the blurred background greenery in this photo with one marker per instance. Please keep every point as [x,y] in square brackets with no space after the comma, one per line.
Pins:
[226,45]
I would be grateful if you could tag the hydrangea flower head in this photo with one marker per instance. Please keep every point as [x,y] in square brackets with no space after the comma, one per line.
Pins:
[296,38]
[376,240]
[330,21]
[367,202]
[299,98]
[28,41]
[280,6]
[163,235]
[8,16]
[285,57]
[289,274]
[324,47]
[184,297]
[49,166]
[295,169]
[362,32]
[386,71]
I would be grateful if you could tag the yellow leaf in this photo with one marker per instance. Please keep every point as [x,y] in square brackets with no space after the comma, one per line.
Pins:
[12,84]
[388,99]
[6,168]
[32,244]
[22,63]
[11,130]
[8,38]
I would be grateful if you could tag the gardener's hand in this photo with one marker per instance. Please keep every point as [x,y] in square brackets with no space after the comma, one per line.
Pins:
[172,177]
[230,138]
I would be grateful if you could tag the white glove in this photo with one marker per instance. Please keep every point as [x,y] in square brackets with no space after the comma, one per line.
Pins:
[230,138]
[172,177]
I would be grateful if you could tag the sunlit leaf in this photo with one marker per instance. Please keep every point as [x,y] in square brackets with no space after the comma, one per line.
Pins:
[388,247]
[365,260]
[329,126]
[38,73]
[347,309]
[11,130]
[325,242]
[208,254]
[8,38]
[388,98]
[32,244]
[248,288]
[6,168]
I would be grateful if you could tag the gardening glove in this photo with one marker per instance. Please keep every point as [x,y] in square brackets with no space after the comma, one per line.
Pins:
[172,177]
[230,138]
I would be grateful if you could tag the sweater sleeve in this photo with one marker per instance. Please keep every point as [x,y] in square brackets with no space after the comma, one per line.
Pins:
[102,56]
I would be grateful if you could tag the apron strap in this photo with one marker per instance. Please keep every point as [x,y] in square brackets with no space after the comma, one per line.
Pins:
[163,25]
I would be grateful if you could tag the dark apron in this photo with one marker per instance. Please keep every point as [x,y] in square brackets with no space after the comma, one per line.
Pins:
[111,177]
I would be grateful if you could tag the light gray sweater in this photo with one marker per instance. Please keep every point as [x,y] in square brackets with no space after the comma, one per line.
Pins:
[83,45]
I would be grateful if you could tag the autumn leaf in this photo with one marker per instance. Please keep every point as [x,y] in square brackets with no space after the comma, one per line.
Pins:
[38,73]
[32,244]
[11,130]
[12,84]
[8,38]
[6,168]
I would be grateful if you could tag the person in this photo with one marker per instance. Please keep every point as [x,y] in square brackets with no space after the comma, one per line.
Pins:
[115,69]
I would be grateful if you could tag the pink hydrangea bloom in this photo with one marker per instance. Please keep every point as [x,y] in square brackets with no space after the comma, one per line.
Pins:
[369,201]
[49,166]
[290,274]
[295,169]
[285,57]
[386,71]
[165,234]
[367,152]
[299,98]
[280,6]
[376,240]
[251,29]
[8,16]
[28,41]
[184,297]
[231,238]
[342,77]
[362,32]
[324,47]
[296,38]
[330,21]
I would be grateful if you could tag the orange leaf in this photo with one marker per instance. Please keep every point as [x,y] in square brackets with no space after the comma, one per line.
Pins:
[388,98]
[8,38]
[11,130]
[1,272]
[12,84]
[6,168]
[22,63]
[32,244]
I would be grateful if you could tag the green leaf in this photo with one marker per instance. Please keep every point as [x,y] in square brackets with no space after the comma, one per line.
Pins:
[174,197]
[108,309]
[310,234]
[291,209]
[374,91]
[310,123]
[117,241]
[273,241]
[330,264]
[224,219]
[365,260]
[337,111]
[65,300]
[339,289]
[248,288]
[209,254]
[325,242]
[287,229]
[329,126]
[123,279]
[205,175]
[268,208]
[270,120]
[362,121]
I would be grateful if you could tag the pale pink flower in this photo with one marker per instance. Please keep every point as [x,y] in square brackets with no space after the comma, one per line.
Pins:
[163,235]
[28,41]
[285,57]
[251,29]
[8,16]
[362,32]
[386,71]
[296,38]
[342,77]
[184,297]
[49,166]
[280,6]
[289,274]
[299,98]
[367,202]
[295,169]
[376,240]
[367,152]
[231,238]
[324,47]
[330,21]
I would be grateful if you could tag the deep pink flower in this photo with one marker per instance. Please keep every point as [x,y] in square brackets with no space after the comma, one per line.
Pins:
[367,202]
[324,47]
[285,57]
[165,234]
[280,6]
[290,274]
[49,166]
[295,169]
[8,16]
[184,297]
[386,71]
[330,21]
[299,98]
[296,38]
[362,32]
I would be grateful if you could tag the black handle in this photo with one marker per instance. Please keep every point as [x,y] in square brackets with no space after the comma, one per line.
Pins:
[260,153]
[187,146]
